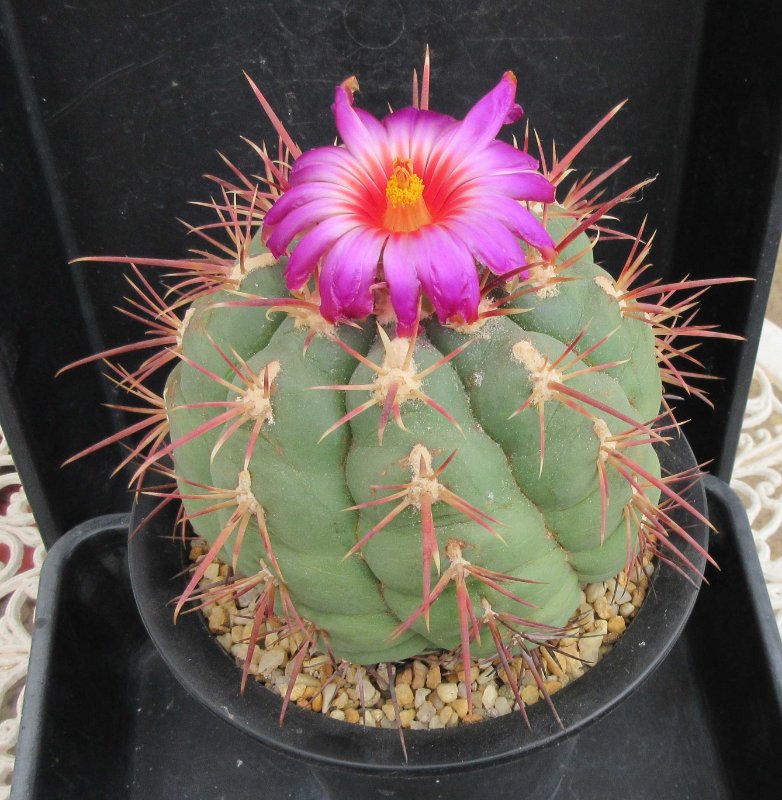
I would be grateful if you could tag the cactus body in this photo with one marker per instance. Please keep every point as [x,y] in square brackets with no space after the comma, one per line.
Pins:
[407,404]
[545,531]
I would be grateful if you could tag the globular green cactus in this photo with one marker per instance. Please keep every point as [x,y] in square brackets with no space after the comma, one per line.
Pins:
[407,405]
[518,514]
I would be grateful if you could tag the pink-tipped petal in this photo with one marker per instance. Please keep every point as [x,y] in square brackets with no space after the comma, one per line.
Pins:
[364,137]
[518,219]
[347,275]
[484,119]
[489,241]
[335,165]
[299,196]
[412,133]
[450,279]
[301,219]
[313,246]
[530,186]
[401,263]
[502,157]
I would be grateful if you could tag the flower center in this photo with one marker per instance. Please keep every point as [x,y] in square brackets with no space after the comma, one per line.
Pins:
[406,209]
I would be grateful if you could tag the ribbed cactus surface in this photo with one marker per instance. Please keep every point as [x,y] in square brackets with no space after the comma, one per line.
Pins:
[406,404]
[527,510]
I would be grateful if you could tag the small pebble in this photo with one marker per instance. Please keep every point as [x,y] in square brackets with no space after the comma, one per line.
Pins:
[419,675]
[425,712]
[616,625]
[460,707]
[593,591]
[588,648]
[637,598]
[448,692]
[627,610]
[420,697]
[502,706]
[474,672]
[489,695]
[530,695]
[406,717]
[371,694]
[433,677]
[218,620]
[602,608]
[405,676]
[622,596]
[328,695]
[404,694]
[270,660]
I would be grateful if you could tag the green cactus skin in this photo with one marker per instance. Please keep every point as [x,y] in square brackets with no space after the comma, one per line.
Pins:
[545,528]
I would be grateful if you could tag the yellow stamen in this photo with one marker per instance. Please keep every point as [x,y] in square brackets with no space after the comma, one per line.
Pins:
[404,187]
[406,210]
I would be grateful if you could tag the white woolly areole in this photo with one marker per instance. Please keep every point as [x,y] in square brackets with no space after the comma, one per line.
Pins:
[393,371]
[259,406]
[541,373]
[542,278]
[604,435]
[244,494]
[307,318]
[484,305]
[420,461]
[261,261]
[183,326]
[609,287]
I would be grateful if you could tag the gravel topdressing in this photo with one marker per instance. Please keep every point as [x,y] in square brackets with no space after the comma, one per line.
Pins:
[430,691]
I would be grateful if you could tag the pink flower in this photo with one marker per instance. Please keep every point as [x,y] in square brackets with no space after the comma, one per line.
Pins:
[423,196]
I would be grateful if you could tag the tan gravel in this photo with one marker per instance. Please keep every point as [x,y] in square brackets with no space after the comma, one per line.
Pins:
[430,691]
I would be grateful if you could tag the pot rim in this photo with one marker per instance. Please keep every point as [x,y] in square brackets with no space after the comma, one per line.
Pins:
[210,675]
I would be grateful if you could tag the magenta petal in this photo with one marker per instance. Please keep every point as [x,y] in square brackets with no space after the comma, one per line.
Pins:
[489,241]
[305,256]
[518,219]
[413,133]
[298,196]
[334,165]
[402,261]
[299,220]
[515,113]
[531,186]
[487,116]
[349,270]
[502,157]
[364,137]
[451,279]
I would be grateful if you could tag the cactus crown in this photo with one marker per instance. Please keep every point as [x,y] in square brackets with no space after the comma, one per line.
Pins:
[406,403]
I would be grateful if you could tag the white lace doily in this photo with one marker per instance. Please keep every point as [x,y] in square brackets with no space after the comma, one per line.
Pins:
[22,552]
[757,478]
[757,474]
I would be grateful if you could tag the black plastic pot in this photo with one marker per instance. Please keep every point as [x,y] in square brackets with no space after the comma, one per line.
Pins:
[499,756]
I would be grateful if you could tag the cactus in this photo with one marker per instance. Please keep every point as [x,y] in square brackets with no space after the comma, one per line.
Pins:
[411,411]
